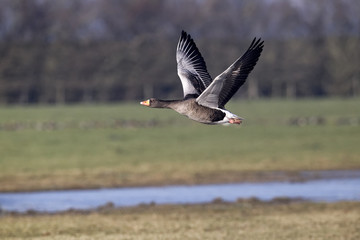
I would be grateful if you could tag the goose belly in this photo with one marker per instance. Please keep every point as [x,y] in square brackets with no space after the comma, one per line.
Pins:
[214,116]
[203,114]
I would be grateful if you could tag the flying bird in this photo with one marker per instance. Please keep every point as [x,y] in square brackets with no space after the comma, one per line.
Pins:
[204,99]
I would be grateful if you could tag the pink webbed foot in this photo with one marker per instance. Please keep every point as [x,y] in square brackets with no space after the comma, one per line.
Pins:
[235,121]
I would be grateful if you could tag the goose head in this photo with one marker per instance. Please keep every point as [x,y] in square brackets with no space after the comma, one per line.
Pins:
[154,103]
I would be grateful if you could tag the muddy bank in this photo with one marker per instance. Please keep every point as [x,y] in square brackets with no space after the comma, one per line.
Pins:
[115,180]
[111,207]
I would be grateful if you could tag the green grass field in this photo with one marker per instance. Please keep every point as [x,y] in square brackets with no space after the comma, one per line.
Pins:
[89,146]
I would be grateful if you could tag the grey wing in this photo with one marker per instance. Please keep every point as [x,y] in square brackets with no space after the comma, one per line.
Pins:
[191,67]
[227,83]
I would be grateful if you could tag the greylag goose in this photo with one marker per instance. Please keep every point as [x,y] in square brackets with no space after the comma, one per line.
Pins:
[204,100]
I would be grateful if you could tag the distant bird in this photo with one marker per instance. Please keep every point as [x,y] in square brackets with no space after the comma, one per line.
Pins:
[204,100]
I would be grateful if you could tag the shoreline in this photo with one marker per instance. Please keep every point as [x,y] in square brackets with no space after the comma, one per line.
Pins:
[220,177]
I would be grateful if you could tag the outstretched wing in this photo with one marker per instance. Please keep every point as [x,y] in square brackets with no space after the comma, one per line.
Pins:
[227,83]
[191,67]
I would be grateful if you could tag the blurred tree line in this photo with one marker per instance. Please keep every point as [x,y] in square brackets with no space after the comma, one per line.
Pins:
[65,51]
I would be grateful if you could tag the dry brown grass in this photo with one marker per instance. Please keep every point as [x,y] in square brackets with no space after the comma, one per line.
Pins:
[243,220]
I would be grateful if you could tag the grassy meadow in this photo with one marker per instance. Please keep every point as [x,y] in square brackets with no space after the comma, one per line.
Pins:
[90,146]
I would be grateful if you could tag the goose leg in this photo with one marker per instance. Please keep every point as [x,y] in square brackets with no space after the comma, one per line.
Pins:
[235,121]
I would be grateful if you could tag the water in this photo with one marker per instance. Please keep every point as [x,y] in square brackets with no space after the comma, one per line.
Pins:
[331,190]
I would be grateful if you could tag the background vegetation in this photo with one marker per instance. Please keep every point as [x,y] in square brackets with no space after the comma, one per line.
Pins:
[102,51]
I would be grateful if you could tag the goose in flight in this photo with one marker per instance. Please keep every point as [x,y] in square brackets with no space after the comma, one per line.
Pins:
[204,99]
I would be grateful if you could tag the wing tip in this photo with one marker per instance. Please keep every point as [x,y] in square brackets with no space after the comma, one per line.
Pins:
[183,40]
[256,44]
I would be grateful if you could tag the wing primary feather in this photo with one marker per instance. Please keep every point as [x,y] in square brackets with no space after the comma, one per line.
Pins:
[227,83]
[191,66]
[236,75]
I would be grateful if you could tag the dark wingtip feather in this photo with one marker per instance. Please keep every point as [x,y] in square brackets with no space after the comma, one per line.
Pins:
[183,34]
[185,41]
[256,43]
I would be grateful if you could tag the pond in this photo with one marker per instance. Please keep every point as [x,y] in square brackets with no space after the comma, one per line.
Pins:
[323,190]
